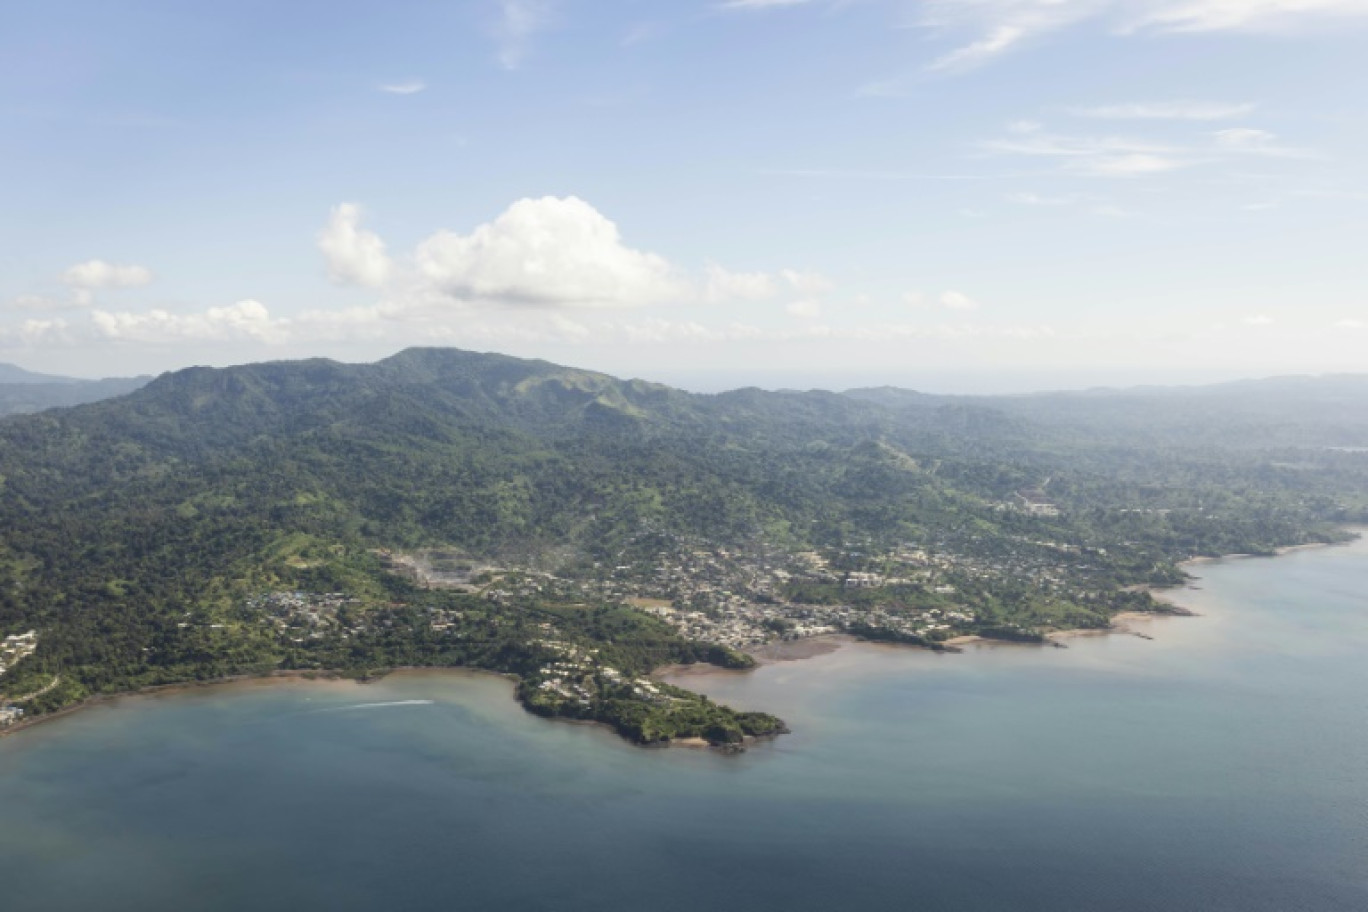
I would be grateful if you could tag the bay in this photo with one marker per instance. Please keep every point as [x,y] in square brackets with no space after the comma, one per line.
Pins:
[1221,765]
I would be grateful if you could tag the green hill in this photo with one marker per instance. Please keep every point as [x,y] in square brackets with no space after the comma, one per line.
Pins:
[443,507]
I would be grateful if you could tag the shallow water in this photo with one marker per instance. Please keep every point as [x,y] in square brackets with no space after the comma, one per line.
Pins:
[1221,766]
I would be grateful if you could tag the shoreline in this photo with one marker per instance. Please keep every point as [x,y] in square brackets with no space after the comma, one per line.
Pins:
[280,677]
[826,643]
[780,652]
[153,690]
[269,678]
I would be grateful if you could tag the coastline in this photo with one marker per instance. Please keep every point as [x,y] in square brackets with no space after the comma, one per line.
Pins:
[267,679]
[1119,624]
[153,690]
[280,677]
[778,652]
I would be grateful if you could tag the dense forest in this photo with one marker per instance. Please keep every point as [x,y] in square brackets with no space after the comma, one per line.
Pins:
[255,519]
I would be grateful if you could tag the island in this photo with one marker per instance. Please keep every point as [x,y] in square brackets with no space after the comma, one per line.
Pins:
[580,532]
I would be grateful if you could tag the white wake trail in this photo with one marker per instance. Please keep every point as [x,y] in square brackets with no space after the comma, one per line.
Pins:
[334,709]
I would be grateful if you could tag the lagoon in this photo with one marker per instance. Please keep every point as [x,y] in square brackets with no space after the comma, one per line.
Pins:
[1221,765]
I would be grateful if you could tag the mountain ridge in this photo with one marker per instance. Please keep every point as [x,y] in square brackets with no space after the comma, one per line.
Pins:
[270,516]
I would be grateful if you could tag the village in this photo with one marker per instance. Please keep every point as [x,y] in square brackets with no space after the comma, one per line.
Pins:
[741,598]
[13,649]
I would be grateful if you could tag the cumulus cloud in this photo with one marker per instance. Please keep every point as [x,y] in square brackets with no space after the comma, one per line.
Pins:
[93,274]
[804,310]
[549,251]
[243,320]
[354,256]
[36,332]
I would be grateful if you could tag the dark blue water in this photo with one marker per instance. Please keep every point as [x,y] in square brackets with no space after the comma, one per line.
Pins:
[1221,766]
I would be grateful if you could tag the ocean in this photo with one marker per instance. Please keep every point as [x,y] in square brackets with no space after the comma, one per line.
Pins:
[1220,765]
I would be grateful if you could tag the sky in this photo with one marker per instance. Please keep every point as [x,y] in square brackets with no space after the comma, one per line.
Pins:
[955,195]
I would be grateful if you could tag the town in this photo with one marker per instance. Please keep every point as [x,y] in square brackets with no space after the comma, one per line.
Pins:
[15,648]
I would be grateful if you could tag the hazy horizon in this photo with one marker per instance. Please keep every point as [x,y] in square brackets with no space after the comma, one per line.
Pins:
[753,187]
[953,383]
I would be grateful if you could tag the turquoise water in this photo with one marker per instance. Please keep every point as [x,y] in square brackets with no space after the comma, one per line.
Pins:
[1222,765]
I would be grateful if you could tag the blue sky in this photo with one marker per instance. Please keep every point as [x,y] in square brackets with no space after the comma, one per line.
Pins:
[940,192]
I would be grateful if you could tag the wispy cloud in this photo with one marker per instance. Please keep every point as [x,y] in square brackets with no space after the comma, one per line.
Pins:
[994,27]
[641,32]
[1123,156]
[760,4]
[1106,156]
[1249,141]
[1242,15]
[410,87]
[990,45]
[518,22]
[1035,199]
[1166,110]
[857,174]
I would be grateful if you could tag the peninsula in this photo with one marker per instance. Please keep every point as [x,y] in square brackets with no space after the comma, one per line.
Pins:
[449,508]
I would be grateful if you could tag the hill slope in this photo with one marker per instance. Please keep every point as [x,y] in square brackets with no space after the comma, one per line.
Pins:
[446,507]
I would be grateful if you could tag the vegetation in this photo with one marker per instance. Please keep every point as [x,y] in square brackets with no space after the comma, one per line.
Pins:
[241,521]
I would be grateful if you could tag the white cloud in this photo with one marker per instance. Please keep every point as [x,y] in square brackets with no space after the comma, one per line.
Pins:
[1249,141]
[1250,15]
[1036,199]
[1131,165]
[760,4]
[1243,138]
[641,32]
[804,310]
[243,320]
[957,300]
[40,302]
[971,55]
[1166,110]
[1002,25]
[94,274]
[1351,324]
[1258,320]
[409,87]
[36,333]
[1107,156]
[1120,156]
[808,284]
[547,251]
[914,299]
[721,285]
[354,256]
[518,22]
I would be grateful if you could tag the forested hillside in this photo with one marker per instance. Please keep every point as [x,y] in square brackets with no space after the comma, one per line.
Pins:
[446,507]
